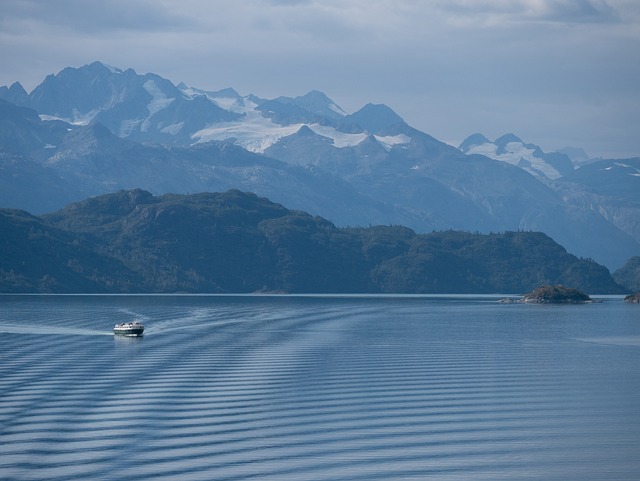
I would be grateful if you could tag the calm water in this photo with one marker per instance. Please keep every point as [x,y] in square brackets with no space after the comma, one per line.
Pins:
[318,388]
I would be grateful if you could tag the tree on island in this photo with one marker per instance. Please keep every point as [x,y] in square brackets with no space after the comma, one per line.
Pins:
[556,295]
[633,298]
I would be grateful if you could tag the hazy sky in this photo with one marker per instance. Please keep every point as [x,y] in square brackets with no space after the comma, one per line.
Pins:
[554,72]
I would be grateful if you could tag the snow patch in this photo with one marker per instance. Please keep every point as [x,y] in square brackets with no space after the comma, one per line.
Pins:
[392,140]
[158,102]
[634,172]
[488,150]
[254,132]
[232,104]
[340,139]
[128,126]
[84,118]
[229,104]
[514,153]
[47,118]
[173,129]
[189,92]
[77,119]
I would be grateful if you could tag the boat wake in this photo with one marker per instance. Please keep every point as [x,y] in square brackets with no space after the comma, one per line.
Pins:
[613,341]
[51,330]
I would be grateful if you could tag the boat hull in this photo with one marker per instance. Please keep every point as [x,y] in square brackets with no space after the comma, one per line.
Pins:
[128,329]
[128,332]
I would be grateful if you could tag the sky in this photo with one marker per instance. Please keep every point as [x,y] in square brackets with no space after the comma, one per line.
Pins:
[556,73]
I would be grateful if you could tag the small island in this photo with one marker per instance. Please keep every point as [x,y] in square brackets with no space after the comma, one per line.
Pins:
[633,298]
[556,295]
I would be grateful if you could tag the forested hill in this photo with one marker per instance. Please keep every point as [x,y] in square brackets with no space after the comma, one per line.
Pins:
[237,242]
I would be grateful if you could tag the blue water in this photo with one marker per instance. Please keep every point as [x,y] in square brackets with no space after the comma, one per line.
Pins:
[318,388]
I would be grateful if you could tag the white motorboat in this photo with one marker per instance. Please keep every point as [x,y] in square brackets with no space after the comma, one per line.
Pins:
[134,328]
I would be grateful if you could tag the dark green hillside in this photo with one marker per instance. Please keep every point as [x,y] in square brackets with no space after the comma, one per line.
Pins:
[198,243]
[453,261]
[38,257]
[312,255]
[238,242]
[629,274]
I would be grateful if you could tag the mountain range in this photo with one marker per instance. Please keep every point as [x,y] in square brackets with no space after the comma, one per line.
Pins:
[237,242]
[98,129]
[513,150]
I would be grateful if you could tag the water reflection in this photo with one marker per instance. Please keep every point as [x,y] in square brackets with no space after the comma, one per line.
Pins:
[127,346]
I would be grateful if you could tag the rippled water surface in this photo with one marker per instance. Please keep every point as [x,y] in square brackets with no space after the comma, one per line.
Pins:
[318,388]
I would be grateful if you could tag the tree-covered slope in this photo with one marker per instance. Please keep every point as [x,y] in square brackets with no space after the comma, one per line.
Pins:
[36,256]
[629,274]
[238,242]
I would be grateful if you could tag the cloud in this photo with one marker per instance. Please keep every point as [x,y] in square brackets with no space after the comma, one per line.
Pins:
[31,16]
[450,67]
[288,2]
[504,12]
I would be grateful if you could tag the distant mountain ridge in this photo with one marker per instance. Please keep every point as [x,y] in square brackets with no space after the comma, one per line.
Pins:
[236,242]
[149,108]
[513,150]
[98,129]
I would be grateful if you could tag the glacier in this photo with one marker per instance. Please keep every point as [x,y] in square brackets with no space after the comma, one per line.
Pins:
[257,133]
[518,154]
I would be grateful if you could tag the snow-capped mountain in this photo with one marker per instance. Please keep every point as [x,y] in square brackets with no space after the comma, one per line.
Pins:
[610,177]
[262,123]
[149,108]
[610,187]
[98,129]
[145,108]
[577,155]
[514,151]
